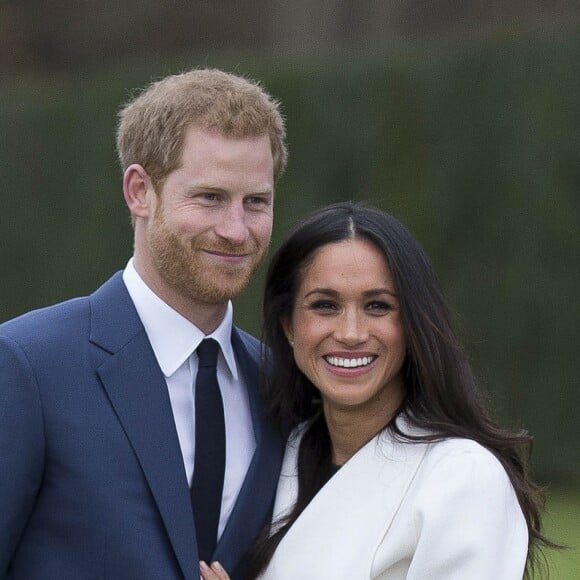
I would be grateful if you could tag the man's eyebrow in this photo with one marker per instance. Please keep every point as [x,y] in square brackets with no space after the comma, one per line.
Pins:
[201,187]
[205,187]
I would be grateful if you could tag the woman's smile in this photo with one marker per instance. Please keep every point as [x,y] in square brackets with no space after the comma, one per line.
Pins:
[347,333]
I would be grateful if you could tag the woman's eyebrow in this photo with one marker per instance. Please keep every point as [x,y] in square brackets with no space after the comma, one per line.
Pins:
[367,293]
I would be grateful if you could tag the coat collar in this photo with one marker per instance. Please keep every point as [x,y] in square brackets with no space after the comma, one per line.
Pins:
[114,320]
[342,517]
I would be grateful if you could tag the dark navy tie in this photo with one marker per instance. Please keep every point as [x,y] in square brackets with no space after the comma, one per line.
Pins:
[210,450]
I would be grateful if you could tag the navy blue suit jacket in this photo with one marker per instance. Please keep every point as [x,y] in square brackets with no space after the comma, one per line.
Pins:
[92,482]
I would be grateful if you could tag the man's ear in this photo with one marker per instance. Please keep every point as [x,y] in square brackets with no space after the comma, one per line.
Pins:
[137,190]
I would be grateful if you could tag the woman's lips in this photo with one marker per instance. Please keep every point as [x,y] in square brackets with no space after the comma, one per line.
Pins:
[350,361]
[351,364]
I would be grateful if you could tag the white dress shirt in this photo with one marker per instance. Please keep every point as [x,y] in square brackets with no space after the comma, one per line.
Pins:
[174,340]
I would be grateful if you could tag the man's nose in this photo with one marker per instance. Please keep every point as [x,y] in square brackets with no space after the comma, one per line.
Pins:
[233,227]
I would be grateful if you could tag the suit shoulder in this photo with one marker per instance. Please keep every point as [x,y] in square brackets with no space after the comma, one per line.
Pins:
[65,319]
[48,323]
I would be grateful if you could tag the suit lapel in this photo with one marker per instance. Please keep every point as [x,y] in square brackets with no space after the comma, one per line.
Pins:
[137,391]
[253,506]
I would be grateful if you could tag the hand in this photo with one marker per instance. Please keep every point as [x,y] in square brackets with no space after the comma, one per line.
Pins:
[215,572]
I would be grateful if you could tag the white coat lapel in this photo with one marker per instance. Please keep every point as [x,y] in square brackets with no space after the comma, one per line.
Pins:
[350,515]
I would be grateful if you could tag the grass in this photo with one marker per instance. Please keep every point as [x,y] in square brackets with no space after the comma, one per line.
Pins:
[562,525]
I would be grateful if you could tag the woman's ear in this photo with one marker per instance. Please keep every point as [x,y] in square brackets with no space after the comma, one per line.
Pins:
[288,330]
[137,190]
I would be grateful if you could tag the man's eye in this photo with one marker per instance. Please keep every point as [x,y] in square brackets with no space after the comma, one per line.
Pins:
[257,200]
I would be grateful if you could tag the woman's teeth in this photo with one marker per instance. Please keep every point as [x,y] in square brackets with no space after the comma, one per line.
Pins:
[349,363]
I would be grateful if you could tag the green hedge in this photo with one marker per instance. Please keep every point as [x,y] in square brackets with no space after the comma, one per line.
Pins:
[475,149]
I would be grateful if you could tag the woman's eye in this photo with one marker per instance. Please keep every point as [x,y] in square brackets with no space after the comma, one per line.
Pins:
[379,306]
[323,305]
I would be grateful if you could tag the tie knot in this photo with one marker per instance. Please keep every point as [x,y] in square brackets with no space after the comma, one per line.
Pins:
[207,352]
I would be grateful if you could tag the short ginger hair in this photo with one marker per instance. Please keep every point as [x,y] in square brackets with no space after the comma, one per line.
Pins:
[152,126]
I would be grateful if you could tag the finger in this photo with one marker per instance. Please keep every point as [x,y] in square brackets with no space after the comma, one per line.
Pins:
[206,572]
[219,571]
[215,572]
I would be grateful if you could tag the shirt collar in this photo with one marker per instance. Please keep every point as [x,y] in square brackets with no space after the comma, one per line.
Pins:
[173,337]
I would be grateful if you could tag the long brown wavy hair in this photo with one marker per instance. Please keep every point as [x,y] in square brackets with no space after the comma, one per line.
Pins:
[441,393]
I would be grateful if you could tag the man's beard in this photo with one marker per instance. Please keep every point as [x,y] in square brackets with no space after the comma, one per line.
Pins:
[185,269]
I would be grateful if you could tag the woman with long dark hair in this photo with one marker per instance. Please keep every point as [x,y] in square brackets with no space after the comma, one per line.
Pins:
[394,468]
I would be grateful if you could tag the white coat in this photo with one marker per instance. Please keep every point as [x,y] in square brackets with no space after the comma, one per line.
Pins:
[395,510]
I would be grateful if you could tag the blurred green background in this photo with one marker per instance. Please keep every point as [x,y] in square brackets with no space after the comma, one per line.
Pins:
[464,124]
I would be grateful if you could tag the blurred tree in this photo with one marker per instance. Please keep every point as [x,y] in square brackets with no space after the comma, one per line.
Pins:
[36,35]
[69,34]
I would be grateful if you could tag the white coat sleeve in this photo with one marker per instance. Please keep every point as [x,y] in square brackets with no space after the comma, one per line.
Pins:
[468,521]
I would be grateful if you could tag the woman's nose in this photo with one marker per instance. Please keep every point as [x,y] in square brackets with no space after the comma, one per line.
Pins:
[351,329]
